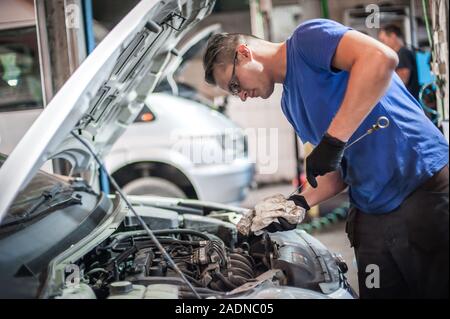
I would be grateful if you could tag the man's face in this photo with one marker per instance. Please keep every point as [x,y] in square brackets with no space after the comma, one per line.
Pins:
[249,76]
[389,39]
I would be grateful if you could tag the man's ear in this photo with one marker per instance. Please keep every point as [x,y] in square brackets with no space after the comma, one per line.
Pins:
[244,51]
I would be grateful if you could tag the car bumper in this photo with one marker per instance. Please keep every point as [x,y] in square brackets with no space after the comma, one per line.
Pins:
[227,184]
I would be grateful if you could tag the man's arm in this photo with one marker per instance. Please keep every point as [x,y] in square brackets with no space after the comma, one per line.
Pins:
[405,65]
[329,185]
[404,74]
[371,65]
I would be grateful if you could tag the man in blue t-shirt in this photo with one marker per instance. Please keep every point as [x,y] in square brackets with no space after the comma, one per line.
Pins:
[336,83]
[392,36]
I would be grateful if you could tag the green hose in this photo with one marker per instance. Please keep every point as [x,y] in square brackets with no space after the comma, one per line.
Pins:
[433,113]
[320,223]
[325,11]
[427,23]
[332,218]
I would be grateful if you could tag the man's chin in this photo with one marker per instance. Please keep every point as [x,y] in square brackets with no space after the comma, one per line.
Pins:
[267,94]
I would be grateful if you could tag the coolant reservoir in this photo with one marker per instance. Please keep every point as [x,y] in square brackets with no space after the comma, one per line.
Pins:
[126,290]
[161,291]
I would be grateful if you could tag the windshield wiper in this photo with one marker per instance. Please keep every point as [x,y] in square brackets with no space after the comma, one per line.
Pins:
[46,197]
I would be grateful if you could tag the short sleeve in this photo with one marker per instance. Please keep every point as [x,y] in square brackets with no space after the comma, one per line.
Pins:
[404,59]
[316,40]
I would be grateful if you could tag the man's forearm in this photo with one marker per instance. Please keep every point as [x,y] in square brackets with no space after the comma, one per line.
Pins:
[329,185]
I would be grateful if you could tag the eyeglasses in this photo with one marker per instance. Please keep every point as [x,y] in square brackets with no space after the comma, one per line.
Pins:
[233,86]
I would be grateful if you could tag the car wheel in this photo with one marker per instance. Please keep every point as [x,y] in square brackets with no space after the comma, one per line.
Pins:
[153,186]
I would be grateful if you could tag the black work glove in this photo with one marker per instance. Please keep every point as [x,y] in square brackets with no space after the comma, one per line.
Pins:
[283,224]
[325,158]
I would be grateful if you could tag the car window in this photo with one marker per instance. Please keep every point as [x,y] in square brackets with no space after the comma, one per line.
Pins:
[20,82]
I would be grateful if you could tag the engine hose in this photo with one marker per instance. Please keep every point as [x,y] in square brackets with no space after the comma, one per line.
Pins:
[224,280]
[240,272]
[149,242]
[242,258]
[184,232]
[193,280]
[120,240]
[319,223]
[238,280]
[123,235]
[174,241]
[152,280]
[240,264]
[217,248]
[182,266]
[217,285]
[94,270]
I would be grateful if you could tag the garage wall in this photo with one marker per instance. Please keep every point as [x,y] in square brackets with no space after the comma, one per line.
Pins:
[337,7]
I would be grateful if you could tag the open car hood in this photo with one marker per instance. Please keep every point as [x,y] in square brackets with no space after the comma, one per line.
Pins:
[104,95]
[189,46]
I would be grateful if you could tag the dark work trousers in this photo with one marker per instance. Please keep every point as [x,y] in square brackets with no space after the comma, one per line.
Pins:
[408,246]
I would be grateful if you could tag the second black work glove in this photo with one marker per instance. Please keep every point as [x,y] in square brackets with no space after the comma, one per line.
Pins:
[283,224]
[326,157]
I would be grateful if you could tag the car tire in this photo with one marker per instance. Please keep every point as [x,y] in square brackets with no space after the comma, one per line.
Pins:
[153,186]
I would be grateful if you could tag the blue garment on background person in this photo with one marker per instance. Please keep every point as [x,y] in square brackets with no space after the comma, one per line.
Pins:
[384,167]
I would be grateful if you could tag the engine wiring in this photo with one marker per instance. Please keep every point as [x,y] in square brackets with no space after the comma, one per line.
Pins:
[167,257]
[199,260]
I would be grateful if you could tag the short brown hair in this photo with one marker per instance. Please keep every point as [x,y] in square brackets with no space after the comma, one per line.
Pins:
[392,28]
[220,50]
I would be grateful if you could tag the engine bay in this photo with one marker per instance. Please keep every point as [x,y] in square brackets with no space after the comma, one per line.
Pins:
[217,261]
[203,258]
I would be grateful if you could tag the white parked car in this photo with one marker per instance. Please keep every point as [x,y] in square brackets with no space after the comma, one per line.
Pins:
[186,150]
[61,237]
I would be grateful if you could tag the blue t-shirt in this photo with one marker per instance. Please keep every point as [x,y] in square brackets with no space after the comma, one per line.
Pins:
[384,167]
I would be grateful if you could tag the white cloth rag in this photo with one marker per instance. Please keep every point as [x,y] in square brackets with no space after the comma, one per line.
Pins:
[267,212]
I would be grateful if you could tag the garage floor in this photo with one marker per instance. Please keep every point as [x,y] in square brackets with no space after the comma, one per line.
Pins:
[334,237]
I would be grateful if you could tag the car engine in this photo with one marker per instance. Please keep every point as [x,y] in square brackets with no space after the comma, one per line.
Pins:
[217,261]
[203,258]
